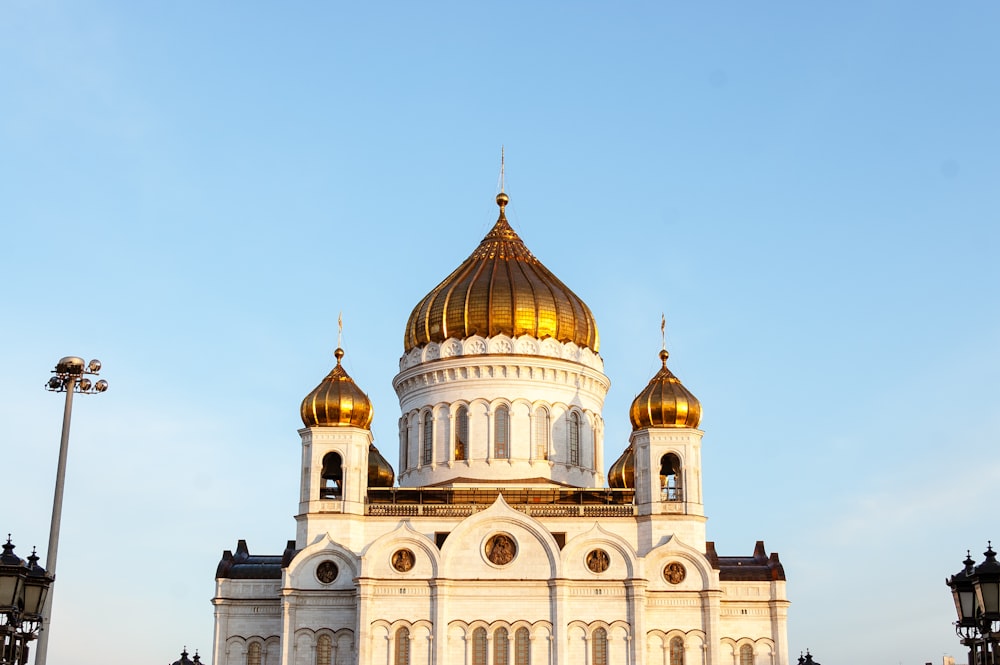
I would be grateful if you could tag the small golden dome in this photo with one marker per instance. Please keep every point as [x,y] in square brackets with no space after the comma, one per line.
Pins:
[665,402]
[501,289]
[380,473]
[621,475]
[337,401]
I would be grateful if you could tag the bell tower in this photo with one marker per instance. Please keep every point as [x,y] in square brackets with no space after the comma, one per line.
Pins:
[663,458]
[339,460]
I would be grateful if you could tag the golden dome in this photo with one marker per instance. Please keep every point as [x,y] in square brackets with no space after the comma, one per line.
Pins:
[665,402]
[337,401]
[380,473]
[621,475]
[501,289]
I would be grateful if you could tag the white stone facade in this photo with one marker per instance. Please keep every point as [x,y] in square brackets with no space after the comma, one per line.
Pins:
[502,543]
[506,548]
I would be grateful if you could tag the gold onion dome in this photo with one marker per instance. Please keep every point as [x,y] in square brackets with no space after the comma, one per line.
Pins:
[621,475]
[380,473]
[501,289]
[665,402]
[337,401]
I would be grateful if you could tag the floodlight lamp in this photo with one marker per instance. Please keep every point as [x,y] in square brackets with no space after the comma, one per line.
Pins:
[70,365]
[55,383]
[85,385]
[101,386]
[94,366]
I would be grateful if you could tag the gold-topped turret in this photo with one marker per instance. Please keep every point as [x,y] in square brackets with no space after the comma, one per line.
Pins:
[621,475]
[665,402]
[380,473]
[501,289]
[337,401]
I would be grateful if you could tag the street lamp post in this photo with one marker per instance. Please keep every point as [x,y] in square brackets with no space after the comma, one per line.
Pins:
[70,376]
[976,590]
[24,586]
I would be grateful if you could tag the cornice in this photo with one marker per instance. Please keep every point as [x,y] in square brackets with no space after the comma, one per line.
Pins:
[525,345]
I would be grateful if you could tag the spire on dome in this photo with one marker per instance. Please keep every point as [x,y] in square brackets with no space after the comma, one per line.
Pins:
[502,198]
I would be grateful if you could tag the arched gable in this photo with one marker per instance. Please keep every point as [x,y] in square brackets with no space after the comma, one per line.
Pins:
[377,558]
[623,562]
[699,574]
[463,555]
[304,570]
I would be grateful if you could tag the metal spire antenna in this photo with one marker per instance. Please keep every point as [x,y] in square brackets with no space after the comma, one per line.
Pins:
[663,330]
[340,330]
[501,169]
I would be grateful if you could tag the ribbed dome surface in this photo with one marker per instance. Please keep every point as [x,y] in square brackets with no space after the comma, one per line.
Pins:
[665,402]
[337,401]
[622,472]
[501,289]
[380,473]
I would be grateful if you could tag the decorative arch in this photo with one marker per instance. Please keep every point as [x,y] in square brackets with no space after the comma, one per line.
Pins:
[426,437]
[501,431]
[671,477]
[699,572]
[300,573]
[332,476]
[597,536]
[573,429]
[498,517]
[376,556]
[460,446]
[541,432]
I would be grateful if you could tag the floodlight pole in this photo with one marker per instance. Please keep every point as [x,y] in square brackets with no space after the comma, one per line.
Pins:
[68,374]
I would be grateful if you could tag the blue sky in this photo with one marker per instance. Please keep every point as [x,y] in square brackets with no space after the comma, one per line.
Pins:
[192,192]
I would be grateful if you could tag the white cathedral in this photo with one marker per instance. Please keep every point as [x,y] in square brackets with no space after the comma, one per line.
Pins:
[502,544]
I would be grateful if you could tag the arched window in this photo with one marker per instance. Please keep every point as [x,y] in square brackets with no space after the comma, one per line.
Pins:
[501,433]
[402,646]
[332,475]
[522,649]
[600,647]
[746,655]
[677,651]
[501,647]
[479,648]
[404,439]
[542,434]
[573,434]
[670,478]
[253,653]
[324,650]
[462,433]
[428,437]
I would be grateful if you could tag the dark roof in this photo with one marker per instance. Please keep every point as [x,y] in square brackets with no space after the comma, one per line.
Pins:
[245,566]
[757,568]
[184,660]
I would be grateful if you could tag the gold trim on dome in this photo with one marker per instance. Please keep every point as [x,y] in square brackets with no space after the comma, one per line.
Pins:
[665,402]
[337,401]
[501,289]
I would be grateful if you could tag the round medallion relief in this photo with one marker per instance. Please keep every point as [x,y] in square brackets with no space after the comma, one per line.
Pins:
[674,572]
[402,560]
[598,561]
[327,571]
[501,549]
